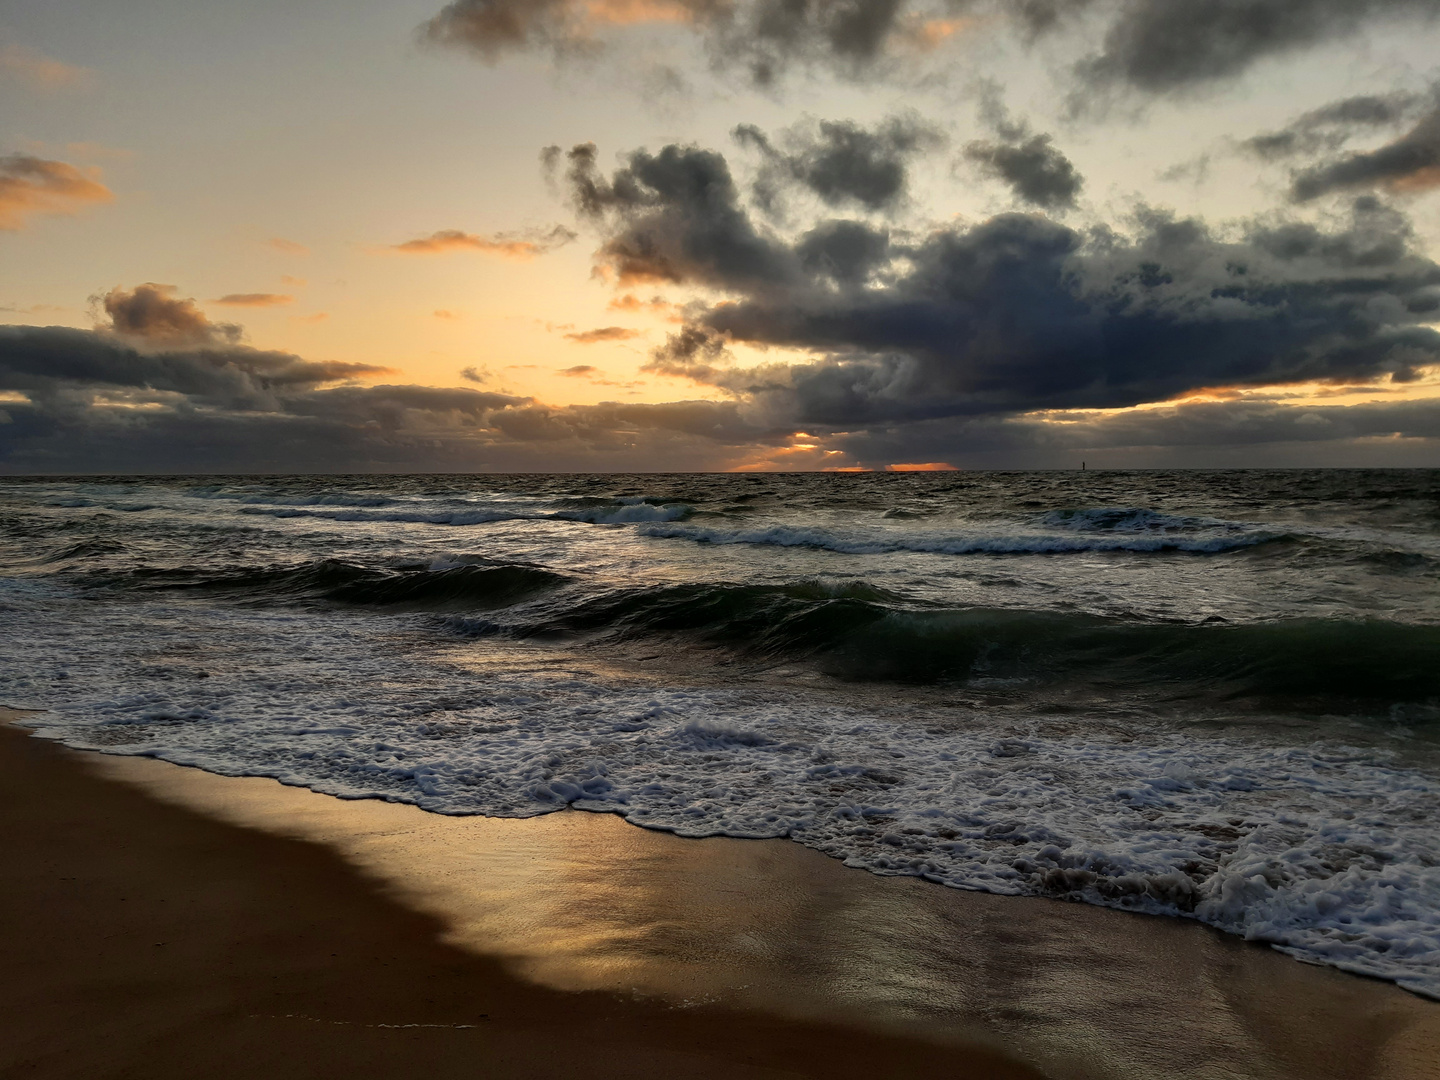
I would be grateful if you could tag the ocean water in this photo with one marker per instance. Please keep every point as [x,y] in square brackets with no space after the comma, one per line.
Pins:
[1209,695]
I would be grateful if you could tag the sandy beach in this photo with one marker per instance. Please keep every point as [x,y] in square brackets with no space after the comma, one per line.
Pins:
[169,922]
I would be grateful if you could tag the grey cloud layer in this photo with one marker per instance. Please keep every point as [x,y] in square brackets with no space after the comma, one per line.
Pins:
[213,412]
[1150,46]
[55,363]
[842,163]
[1035,170]
[763,36]
[1331,126]
[1410,163]
[1165,46]
[89,401]
[1221,434]
[1012,314]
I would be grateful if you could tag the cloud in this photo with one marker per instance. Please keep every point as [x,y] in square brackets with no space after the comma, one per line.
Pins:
[1036,172]
[475,375]
[841,162]
[1331,126]
[1009,315]
[504,245]
[846,252]
[79,401]
[579,370]
[1034,169]
[1196,171]
[656,305]
[151,312]
[1245,434]
[37,71]
[675,217]
[924,466]
[1409,164]
[1019,313]
[1150,47]
[764,38]
[604,333]
[1170,46]
[31,185]
[287,247]
[58,364]
[254,299]
[491,28]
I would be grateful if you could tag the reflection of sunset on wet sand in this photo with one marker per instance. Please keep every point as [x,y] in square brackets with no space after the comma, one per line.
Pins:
[582,901]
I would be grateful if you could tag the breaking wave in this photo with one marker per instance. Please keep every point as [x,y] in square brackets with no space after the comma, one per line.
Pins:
[1075,539]
[440,588]
[856,631]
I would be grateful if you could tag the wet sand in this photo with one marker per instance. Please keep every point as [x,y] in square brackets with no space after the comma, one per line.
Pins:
[168,922]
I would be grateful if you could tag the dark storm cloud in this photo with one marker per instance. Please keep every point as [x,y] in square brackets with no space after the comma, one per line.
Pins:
[395,407]
[1246,433]
[1021,313]
[1035,170]
[1331,126]
[77,403]
[58,360]
[841,162]
[1410,163]
[846,252]
[676,216]
[87,401]
[1012,314]
[1167,46]
[1256,423]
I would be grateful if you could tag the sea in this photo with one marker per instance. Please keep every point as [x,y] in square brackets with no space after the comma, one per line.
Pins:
[1201,695]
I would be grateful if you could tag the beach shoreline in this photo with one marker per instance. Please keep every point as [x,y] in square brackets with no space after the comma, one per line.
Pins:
[577,934]
[154,942]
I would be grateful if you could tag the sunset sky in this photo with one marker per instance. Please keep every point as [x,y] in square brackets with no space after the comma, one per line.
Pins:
[400,235]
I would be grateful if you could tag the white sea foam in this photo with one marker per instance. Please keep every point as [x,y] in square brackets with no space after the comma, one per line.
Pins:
[1327,852]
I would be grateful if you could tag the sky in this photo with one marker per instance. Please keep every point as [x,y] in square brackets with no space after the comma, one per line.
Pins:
[676,235]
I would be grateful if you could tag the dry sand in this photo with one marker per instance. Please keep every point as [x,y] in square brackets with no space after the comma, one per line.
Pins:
[168,922]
